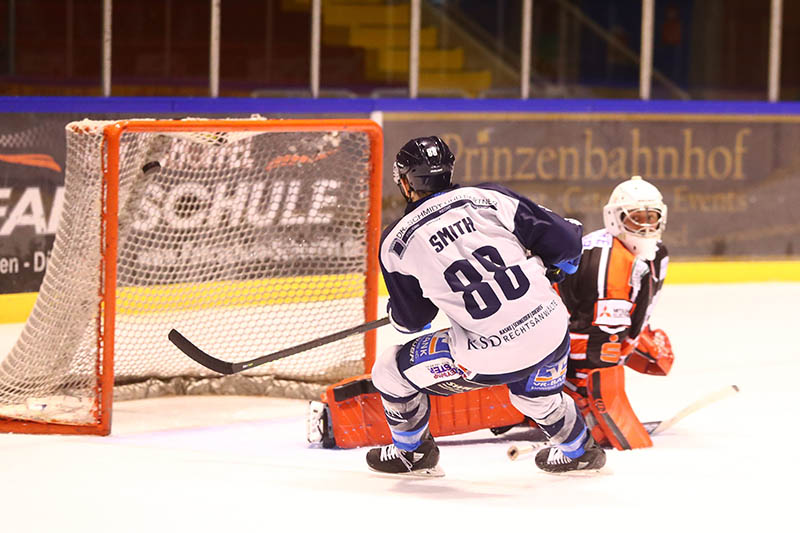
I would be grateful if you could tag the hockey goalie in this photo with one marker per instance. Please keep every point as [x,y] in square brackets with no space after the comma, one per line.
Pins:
[610,299]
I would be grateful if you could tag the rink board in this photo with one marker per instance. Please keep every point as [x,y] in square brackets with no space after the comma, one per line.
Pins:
[275,291]
[17,307]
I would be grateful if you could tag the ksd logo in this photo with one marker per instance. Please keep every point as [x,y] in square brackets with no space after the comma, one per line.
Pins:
[481,343]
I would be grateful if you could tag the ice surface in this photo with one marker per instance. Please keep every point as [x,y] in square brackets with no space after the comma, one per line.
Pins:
[236,464]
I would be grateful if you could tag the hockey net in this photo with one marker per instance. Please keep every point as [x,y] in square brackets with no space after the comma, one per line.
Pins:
[246,235]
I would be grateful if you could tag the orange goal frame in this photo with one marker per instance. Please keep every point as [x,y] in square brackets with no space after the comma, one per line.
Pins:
[108,233]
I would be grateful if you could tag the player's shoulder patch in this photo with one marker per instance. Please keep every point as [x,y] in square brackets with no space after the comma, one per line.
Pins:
[597,239]
[612,312]
[391,241]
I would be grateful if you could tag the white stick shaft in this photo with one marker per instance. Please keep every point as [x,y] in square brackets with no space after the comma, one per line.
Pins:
[716,396]
[516,451]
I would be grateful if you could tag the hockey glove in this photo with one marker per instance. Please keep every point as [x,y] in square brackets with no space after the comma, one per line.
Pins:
[653,354]
[569,267]
[555,275]
[559,271]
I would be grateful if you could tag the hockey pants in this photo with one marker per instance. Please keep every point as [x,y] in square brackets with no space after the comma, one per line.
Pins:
[407,375]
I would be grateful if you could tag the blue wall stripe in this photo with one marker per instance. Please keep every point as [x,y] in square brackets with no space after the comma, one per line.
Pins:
[36,104]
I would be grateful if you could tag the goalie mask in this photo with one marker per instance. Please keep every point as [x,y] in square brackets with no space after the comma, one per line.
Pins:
[636,215]
[427,165]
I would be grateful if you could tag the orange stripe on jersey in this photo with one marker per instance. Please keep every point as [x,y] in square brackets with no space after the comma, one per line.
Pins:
[618,273]
[578,343]
[432,344]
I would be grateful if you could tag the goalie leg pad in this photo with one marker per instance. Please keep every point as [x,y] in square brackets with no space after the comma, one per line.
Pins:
[611,410]
[470,411]
[356,413]
[582,404]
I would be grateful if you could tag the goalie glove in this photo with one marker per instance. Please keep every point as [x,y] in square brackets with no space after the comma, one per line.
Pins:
[653,354]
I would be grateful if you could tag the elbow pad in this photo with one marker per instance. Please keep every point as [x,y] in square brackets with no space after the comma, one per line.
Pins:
[399,327]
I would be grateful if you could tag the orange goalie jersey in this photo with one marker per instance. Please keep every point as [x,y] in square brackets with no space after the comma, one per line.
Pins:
[610,299]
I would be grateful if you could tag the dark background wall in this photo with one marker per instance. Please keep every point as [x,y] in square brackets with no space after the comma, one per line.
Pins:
[711,49]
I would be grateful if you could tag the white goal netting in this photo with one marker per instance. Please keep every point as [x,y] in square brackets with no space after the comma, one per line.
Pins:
[246,242]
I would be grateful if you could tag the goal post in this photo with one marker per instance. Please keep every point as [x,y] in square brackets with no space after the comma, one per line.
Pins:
[249,235]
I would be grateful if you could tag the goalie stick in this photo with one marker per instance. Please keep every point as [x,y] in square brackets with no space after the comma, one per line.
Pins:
[226,367]
[514,452]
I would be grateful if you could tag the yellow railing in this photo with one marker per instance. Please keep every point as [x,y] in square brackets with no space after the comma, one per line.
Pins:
[185,297]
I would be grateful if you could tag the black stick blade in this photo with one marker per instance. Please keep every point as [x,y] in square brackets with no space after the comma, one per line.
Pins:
[212,363]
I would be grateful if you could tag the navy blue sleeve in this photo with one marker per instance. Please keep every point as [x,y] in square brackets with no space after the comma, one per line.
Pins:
[409,309]
[546,234]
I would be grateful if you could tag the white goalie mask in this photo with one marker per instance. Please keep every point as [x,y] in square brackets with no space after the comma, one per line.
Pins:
[637,215]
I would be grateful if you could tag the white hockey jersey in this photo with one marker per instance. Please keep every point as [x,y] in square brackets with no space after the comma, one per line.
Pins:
[480,255]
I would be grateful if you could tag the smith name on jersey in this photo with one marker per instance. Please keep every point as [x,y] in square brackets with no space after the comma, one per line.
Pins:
[480,254]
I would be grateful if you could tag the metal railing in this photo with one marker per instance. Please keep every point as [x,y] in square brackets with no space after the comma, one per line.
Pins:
[646,72]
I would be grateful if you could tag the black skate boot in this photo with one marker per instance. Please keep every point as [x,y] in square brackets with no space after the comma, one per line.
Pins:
[422,462]
[552,460]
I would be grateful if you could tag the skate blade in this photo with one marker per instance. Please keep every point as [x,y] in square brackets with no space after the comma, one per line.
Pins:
[434,472]
[590,472]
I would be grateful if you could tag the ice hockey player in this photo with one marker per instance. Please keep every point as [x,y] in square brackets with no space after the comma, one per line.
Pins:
[480,255]
[610,299]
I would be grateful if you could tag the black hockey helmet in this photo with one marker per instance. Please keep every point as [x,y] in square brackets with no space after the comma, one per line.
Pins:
[427,164]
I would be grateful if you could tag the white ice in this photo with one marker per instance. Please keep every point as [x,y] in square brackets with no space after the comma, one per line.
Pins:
[240,464]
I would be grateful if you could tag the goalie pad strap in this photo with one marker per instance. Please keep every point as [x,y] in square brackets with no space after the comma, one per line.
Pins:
[612,411]
[350,388]
[358,419]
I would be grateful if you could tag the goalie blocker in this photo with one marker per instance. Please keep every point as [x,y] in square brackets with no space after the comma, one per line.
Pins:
[350,413]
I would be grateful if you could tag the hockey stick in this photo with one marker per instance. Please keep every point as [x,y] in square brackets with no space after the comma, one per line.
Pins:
[653,428]
[514,452]
[226,367]
[730,390]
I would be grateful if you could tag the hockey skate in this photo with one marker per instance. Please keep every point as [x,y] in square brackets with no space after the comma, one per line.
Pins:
[319,428]
[422,462]
[552,460]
